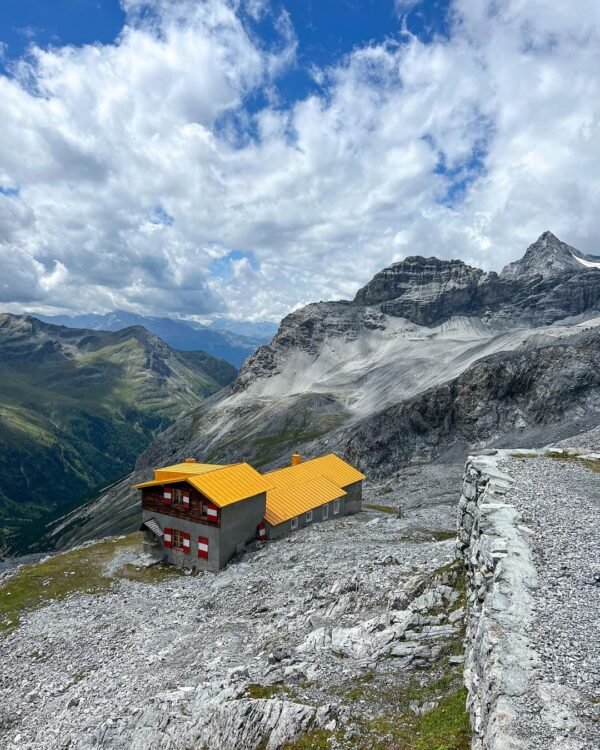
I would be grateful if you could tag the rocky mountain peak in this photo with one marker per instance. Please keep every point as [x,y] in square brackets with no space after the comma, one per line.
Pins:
[402,278]
[548,256]
[424,290]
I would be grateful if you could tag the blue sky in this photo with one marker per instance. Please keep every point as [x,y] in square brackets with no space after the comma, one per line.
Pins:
[326,30]
[245,157]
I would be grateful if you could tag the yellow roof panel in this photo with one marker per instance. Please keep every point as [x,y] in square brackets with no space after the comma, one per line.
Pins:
[186,469]
[331,467]
[292,500]
[229,484]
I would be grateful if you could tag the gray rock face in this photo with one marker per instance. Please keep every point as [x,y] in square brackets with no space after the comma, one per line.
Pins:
[523,393]
[552,281]
[306,330]
[547,257]
[425,290]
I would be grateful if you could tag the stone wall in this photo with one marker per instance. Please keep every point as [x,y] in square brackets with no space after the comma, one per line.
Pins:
[499,663]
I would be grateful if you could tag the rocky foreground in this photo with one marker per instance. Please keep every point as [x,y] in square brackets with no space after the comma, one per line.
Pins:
[345,635]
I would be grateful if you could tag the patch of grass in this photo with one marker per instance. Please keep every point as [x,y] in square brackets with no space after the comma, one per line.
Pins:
[382,508]
[359,690]
[524,455]
[318,739]
[587,463]
[151,574]
[75,679]
[80,570]
[445,727]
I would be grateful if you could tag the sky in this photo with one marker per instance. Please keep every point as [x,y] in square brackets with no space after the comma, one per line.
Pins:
[241,158]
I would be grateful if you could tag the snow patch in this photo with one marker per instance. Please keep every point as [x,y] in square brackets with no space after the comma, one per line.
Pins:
[586,263]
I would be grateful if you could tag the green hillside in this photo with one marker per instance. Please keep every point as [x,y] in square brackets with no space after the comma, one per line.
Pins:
[76,409]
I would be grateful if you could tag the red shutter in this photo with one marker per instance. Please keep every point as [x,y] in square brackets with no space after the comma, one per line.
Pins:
[186,498]
[168,537]
[203,547]
[186,542]
[212,512]
[168,494]
[262,532]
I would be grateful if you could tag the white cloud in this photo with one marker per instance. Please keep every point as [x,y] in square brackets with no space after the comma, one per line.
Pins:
[138,165]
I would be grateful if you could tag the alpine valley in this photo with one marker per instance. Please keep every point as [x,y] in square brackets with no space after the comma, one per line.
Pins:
[431,359]
[77,407]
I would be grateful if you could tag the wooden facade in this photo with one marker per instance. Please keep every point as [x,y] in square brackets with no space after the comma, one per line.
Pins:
[153,501]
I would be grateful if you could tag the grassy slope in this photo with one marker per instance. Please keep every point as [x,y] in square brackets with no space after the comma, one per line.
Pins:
[75,414]
[81,570]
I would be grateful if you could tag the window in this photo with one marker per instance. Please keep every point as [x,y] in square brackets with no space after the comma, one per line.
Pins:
[309,516]
[177,542]
[336,507]
[177,495]
[326,511]
[294,523]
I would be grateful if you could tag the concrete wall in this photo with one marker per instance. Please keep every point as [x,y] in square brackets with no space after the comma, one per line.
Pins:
[239,524]
[353,498]
[347,507]
[191,559]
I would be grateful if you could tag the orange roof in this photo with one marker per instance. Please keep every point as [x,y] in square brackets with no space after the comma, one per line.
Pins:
[330,467]
[290,491]
[307,485]
[288,502]
[186,469]
[230,484]
[223,485]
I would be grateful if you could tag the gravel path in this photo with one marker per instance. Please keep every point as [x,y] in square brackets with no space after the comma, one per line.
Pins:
[560,503]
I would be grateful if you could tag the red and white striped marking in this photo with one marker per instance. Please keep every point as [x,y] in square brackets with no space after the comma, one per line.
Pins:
[186,498]
[212,512]
[262,533]
[186,542]
[168,537]
[167,494]
[203,547]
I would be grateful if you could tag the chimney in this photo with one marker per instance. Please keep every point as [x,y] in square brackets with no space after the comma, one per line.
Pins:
[296,458]
[190,460]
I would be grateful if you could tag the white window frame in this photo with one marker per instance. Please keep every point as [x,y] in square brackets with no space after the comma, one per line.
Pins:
[309,516]
[325,513]
[336,507]
[294,523]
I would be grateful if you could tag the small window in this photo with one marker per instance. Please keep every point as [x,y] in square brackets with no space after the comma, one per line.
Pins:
[177,495]
[177,539]
[309,516]
[294,523]
[326,511]
[336,507]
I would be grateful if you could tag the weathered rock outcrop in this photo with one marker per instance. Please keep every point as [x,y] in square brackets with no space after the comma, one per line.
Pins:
[531,396]
[552,281]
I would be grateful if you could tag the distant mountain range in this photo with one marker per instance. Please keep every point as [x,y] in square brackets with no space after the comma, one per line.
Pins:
[431,359]
[77,407]
[233,341]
